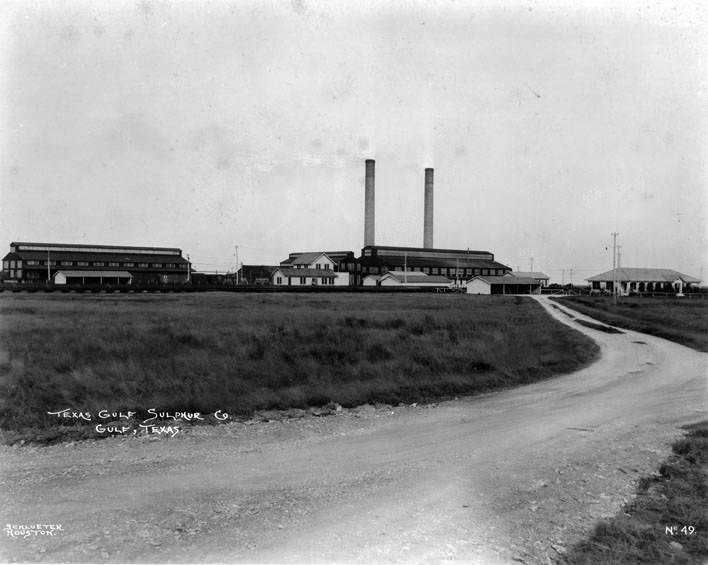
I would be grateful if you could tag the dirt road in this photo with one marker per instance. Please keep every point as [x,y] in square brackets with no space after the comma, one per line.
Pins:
[513,476]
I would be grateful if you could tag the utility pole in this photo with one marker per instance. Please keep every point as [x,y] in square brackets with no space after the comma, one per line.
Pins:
[49,273]
[571,276]
[405,268]
[237,276]
[189,269]
[614,266]
[619,256]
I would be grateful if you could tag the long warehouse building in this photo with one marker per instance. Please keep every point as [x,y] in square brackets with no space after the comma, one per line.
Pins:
[93,264]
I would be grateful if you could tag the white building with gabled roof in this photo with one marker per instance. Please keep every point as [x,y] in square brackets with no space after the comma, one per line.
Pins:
[309,268]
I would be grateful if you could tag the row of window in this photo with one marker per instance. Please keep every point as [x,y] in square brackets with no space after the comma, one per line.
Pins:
[325,266]
[303,280]
[34,263]
[451,272]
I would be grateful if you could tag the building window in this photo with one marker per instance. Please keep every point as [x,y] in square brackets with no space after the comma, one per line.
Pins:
[318,266]
[29,263]
[129,264]
[98,263]
[82,263]
[157,265]
[327,266]
[279,280]
[113,264]
[67,263]
[143,265]
[303,280]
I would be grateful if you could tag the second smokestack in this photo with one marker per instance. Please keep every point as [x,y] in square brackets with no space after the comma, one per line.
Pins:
[428,213]
[369,203]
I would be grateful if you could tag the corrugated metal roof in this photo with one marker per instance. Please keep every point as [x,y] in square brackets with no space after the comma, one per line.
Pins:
[304,258]
[506,280]
[642,274]
[427,249]
[413,277]
[530,274]
[94,274]
[106,257]
[434,262]
[108,248]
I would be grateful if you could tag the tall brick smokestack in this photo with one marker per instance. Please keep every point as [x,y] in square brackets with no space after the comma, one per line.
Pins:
[369,203]
[428,214]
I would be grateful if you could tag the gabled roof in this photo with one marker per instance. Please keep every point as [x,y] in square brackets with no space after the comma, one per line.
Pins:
[97,256]
[83,247]
[439,262]
[427,249]
[415,277]
[507,280]
[304,258]
[642,274]
[530,275]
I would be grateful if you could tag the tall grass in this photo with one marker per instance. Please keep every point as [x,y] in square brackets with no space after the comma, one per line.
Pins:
[244,352]
[682,320]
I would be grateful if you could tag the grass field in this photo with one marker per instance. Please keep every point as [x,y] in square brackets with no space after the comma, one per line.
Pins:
[682,320]
[245,352]
[677,498]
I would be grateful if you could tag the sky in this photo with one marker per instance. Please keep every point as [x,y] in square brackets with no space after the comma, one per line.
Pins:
[210,125]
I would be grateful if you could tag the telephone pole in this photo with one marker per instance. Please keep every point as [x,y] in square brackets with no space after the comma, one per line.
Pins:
[614,266]
[237,276]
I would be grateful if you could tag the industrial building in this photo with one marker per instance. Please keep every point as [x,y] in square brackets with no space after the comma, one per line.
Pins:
[638,279]
[457,265]
[29,262]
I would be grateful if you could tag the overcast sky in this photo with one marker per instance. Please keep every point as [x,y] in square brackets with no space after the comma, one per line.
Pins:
[205,125]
